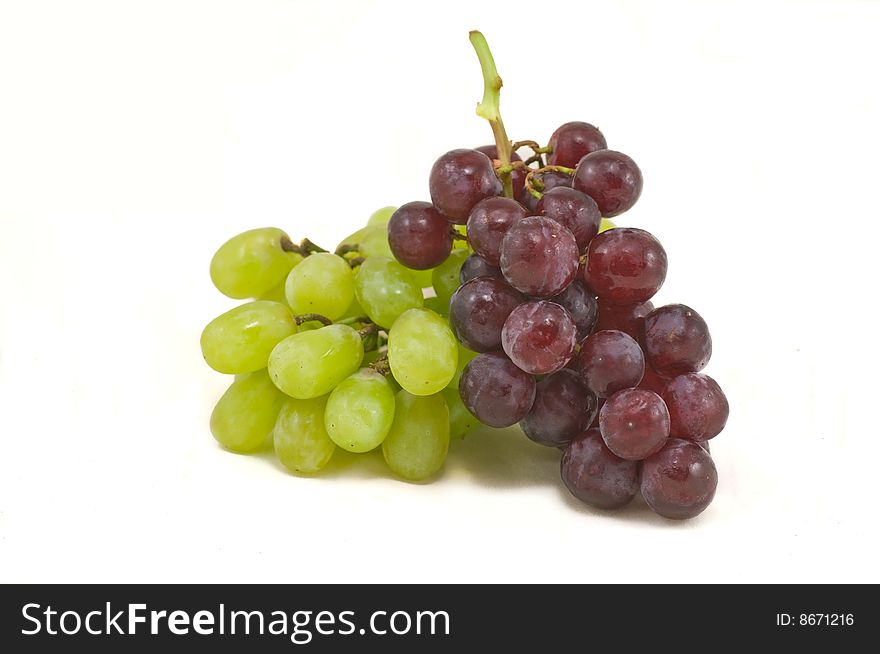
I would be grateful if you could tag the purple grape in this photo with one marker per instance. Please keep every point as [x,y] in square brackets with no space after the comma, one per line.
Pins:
[418,236]
[574,210]
[488,223]
[611,178]
[597,476]
[654,382]
[626,318]
[539,337]
[572,141]
[539,257]
[563,408]
[634,423]
[476,266]
[497,392]
[517,177]
[679,481]
[625,265]
[459,179]
[698,408]
[582,306]
[551,180]
[478,310]
[676,340]
[610,361]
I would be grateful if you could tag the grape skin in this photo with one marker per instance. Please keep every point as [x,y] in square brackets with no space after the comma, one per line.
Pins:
[680,480]
[581,304]
[422,352]
[574,210]
[611,178]
[419,236]
[307,284]
[676,340]
[610,361]
[698,408]
[595,475]
[475,266]
[517,176]
[311,363]
[385,289]
[539,257]
[572,141]
[244,417]
[487,224]
[634,423]
[478,310]
[459,179]
[625,265]
[539,337]
[360,411]
[563,408]
[446,276]
[495,391]
[300,437]
[626,318]
[416,446]
[251,263]
[241,339]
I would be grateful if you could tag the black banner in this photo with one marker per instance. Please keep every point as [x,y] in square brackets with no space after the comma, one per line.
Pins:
[431,618]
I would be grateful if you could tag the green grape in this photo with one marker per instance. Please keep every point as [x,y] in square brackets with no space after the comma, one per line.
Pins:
[461,244]
[355,310]
[241,340]
[422,351]
[416,445]
[276,293]
[301,440]
[381,217]
[437,305]
[323,283]
[461,421]
[355,238]
[375,243]
[445,278]
[250,264]
[360,411]
[244,417]
[311,363]
[605,225]
[385,289]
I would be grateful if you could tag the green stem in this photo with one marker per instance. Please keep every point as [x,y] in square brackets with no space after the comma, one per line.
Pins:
[488,107]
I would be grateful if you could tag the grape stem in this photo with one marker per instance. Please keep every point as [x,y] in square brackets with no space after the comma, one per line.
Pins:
[305,247]
[354,320]
[348,248]
[312,317]
[368,330]
[534,185]
[381,365]
[488,107]
[456,235]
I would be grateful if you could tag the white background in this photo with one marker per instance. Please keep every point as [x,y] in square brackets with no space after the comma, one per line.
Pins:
[135,137]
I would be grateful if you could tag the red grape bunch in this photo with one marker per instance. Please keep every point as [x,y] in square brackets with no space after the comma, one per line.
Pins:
[557,307]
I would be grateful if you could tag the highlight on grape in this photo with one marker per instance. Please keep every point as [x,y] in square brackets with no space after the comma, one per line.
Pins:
[509,298]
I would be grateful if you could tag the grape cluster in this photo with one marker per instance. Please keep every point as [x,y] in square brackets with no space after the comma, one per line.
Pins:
[509,298]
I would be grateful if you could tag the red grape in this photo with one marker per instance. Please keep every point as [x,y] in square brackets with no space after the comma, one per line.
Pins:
[418,236]
[698,409]
[574,210]
[478,310]
[610,361]
[539,337]
[625,265]
[517,177]
[459,179]
[626,318]
[497,392]
[679,481]
[550,180]
[563,408]
[488,223]
[572,141]
[581,304]
[611,178]
[676,340]
[476,266]
[634,423]
[597,476]
[539,257]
